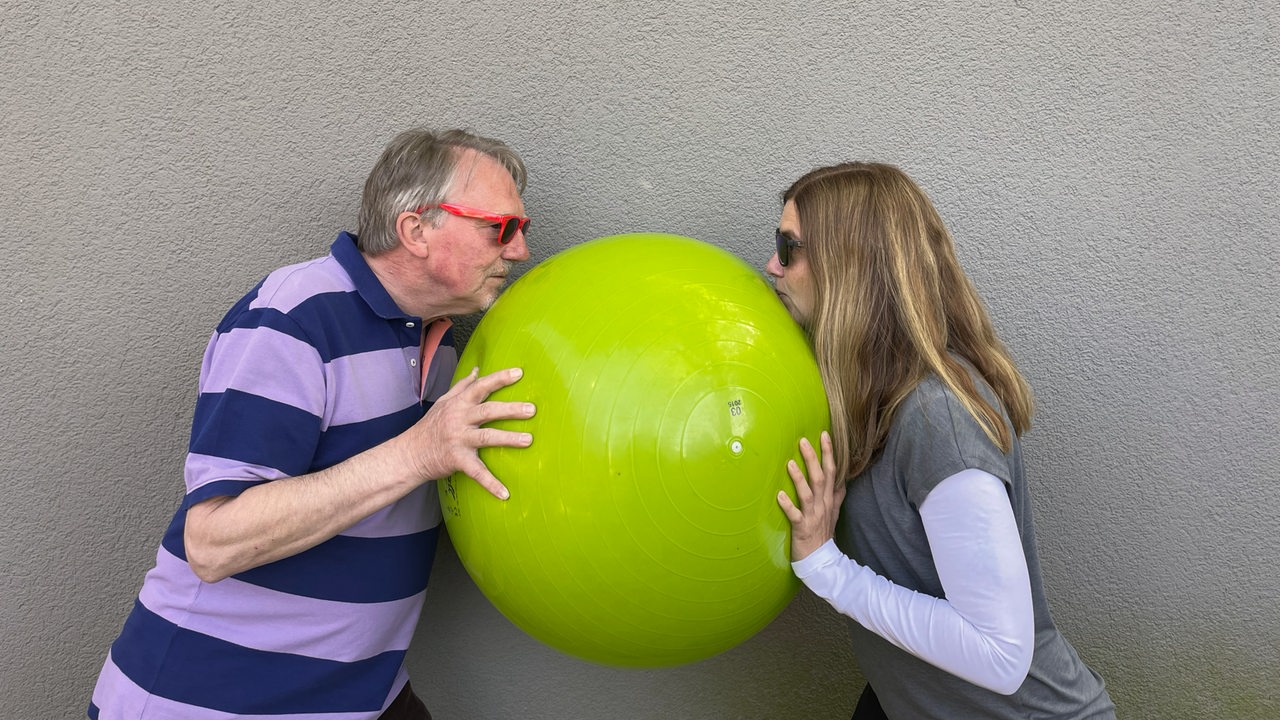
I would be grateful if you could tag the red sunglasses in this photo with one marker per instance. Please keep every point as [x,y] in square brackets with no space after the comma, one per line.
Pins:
[507,224]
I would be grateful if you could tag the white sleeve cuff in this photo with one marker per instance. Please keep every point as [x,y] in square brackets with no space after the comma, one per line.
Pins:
[817,560]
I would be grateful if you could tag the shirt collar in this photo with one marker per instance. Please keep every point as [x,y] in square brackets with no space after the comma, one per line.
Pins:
[345,251]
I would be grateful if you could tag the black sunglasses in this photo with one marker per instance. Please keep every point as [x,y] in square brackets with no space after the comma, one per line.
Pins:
[785,244]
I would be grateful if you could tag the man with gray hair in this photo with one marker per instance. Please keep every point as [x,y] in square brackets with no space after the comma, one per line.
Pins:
[292,575]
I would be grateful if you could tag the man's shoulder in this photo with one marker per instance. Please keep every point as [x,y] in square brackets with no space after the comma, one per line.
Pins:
[287,289]
[292,285]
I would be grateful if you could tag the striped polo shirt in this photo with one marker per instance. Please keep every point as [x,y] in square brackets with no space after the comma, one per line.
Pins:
[313,366]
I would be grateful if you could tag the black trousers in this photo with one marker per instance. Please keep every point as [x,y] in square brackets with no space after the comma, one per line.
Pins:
[868,706]
[406,706]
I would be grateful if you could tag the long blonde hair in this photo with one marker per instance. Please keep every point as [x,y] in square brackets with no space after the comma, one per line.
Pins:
[892,306]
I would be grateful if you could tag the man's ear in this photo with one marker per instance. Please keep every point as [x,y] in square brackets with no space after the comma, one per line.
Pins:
[415,233]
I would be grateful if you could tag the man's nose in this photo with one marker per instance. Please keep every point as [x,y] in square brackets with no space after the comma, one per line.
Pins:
[517,249]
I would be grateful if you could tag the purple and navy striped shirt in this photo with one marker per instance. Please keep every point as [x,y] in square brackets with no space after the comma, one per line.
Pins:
[313,366]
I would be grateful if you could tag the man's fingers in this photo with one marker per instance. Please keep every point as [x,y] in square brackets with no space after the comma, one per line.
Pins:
[476,470]
[489,411]
[486,385]
[460,386]
[493,437]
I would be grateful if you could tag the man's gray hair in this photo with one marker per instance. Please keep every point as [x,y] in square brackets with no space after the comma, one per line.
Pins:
[418,167]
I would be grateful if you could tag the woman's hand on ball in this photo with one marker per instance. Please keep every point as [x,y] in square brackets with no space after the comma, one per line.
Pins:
[452,431]
[813,523]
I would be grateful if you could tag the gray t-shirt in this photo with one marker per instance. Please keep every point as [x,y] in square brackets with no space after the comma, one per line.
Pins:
[932,438]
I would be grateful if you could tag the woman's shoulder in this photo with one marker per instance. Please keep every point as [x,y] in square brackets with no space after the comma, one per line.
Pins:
[933,393]
[933,407]
[929,398]
[934,436]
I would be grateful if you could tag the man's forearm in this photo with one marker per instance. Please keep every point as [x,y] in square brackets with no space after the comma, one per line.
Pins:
[275,520]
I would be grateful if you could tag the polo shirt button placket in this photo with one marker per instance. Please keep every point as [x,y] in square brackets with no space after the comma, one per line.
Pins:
[414,361]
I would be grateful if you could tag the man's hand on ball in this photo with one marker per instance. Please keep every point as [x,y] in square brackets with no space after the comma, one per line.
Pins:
[452,431]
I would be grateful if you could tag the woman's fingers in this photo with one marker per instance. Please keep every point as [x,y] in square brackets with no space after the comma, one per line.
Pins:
[789,508]
[811,463]
[803,493]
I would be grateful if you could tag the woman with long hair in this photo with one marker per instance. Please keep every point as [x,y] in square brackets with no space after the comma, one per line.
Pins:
[914,517]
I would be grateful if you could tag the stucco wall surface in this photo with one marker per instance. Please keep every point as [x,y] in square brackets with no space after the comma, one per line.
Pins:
[1109,171]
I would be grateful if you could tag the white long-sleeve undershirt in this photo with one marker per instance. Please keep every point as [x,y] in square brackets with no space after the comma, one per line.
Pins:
[984,630]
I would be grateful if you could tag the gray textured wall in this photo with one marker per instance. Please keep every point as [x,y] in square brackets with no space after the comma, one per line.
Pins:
[1109,171]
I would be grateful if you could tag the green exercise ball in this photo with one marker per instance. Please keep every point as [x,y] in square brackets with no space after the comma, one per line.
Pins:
[672,386]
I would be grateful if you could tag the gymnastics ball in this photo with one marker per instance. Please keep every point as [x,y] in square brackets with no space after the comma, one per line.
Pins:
[672,386]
